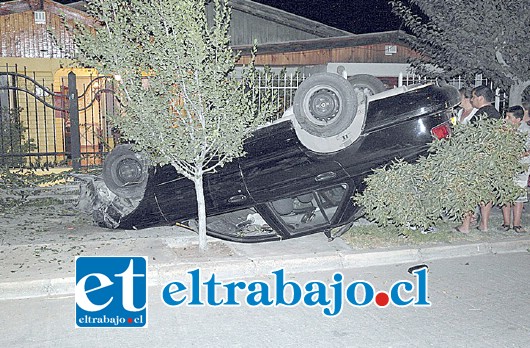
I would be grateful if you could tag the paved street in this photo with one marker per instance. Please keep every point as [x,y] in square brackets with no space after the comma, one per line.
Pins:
[477,301]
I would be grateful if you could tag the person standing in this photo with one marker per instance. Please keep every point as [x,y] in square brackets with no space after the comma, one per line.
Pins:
[464,116]
[467,111]
[515,115]
[482,98]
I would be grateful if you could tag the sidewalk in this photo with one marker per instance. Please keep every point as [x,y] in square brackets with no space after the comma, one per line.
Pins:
[39,241]
[46,269]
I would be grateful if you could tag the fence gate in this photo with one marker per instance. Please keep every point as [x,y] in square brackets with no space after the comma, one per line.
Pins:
[43,126]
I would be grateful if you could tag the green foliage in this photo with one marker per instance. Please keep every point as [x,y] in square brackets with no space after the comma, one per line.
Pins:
[183,103]
[476,164]
[12,139]
[467,37]
[16,186]
[371,236]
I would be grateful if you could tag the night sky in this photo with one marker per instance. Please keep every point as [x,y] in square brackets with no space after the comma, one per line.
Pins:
[356,16]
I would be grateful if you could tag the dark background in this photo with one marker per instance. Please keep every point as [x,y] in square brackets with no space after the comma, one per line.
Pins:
[356,16]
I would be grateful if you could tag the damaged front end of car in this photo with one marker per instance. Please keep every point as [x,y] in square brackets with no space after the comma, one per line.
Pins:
[118,191]
[106,208]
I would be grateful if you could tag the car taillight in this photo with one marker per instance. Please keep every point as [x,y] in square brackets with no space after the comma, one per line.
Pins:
[441,131]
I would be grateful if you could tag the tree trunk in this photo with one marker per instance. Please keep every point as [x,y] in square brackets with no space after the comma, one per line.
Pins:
[201,209]
[516,92]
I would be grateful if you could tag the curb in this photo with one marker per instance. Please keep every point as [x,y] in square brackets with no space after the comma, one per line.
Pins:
[245,267]
[326,261]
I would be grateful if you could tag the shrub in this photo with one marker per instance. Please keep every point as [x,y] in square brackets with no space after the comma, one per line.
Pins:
[12,140]
[477,163]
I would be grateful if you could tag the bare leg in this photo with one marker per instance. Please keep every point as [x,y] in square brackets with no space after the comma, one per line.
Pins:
[485,211]
[506,214]
[466,222]
[517,213]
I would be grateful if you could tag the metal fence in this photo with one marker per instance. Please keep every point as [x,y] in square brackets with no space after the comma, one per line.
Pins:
[284,86]
[501,98]
[47,125]
[44,125]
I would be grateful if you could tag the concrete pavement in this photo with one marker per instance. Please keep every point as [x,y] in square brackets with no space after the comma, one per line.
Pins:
[477,289]
[39,243]
[47,269]
[477,301]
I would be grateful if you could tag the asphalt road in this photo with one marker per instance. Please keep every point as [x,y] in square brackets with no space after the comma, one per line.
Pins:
[476,301]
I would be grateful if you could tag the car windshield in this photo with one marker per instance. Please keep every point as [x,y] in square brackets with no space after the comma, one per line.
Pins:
[303,212]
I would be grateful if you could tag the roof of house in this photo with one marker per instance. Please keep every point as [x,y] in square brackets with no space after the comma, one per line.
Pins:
[271,14]
[285,18]
[397,37]
[19,6]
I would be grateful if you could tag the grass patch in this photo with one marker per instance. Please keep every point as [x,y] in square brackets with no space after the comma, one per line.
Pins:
[365,235]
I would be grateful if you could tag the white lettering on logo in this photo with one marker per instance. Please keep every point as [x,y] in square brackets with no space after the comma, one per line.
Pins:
[81,292]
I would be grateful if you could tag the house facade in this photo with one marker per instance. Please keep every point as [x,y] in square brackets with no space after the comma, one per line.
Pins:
[384,55]
[28,48]
[35,44]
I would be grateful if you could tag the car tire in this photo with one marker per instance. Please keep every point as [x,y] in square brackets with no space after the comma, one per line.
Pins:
[366,84]
[125,172]
[325,104]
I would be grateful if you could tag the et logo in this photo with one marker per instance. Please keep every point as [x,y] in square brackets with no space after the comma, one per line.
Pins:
[110,291]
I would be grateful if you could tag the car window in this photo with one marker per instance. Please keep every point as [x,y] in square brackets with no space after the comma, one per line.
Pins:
[239,225]
[303,212]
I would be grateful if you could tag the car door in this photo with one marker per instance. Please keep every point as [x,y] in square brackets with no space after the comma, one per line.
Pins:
[227,189]
[276,165]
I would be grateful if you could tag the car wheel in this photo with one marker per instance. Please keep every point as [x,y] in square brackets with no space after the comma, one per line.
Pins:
[125,172]
[366,84]
[325,104]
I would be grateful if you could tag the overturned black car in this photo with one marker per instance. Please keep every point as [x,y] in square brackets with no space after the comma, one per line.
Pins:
[299,173]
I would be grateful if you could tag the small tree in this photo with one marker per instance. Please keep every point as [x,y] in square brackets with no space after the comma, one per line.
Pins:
[182,101]
[463,37]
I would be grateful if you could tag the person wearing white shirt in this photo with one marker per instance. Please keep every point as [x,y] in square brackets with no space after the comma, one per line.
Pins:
[467,111]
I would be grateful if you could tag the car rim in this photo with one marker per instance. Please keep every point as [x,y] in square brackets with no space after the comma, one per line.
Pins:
[322,105]
[128,171]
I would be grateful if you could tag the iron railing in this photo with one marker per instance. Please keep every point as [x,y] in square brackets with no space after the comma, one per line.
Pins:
[42,124]
[46,125]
